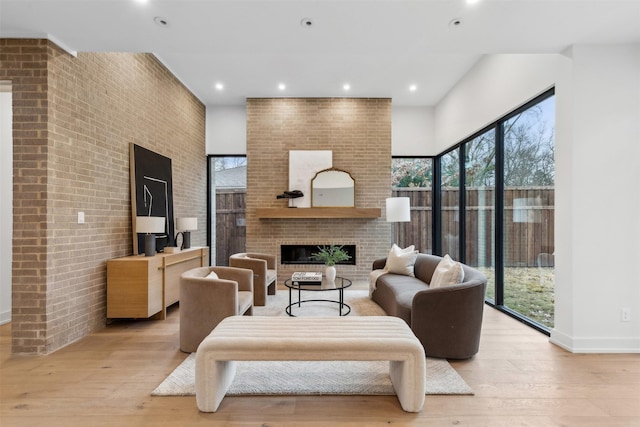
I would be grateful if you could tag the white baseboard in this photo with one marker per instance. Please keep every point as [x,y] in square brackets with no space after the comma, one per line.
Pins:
[5,317]
[594,344]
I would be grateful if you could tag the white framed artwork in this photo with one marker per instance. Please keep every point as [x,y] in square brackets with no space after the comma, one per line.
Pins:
[303,165]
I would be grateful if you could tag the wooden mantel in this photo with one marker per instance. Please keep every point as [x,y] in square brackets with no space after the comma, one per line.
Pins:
[337,212]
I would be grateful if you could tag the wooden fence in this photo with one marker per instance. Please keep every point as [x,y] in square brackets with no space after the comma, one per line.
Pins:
[528,219]
[230,224]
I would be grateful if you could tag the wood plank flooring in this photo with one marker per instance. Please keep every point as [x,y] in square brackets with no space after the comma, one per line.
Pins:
[518,377]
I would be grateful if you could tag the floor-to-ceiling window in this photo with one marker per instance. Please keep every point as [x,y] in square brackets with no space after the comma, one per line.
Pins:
[227,206]
[413,177]
[450,203]
[506,173]
[480,184]
[529,176]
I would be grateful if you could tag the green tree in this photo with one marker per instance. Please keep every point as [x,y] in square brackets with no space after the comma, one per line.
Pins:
[416,172]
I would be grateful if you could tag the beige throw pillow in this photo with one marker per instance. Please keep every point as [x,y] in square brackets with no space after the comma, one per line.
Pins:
[401,261]
[448,272]
[212,275]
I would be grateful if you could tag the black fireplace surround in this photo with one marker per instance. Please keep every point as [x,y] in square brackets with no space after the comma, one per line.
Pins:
[301,254]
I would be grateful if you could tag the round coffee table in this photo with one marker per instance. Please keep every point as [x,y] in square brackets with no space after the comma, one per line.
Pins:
[337,285]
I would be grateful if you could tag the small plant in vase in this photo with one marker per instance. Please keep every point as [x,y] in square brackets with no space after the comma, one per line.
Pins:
[330,255]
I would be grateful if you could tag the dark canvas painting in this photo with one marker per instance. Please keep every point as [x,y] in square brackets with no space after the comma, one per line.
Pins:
[152,193]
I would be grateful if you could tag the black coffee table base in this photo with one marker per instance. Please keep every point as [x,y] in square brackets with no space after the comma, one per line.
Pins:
[339,285]
[342,306]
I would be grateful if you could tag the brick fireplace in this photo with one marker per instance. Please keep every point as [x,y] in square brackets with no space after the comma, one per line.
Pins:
[358,131]
[303,254]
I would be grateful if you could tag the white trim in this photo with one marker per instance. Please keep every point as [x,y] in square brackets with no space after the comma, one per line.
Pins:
[595,344]
[47,36]
[5,317]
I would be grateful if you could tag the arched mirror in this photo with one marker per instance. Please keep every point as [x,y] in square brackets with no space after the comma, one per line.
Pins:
[333,188]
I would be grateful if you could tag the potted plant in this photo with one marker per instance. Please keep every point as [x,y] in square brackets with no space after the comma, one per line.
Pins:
[330,255]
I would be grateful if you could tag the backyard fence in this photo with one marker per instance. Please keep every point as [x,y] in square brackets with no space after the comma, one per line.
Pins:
[528,224]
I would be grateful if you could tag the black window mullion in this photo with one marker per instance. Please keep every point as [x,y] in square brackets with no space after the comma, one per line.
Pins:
[462,205]
[499,215]
[436,223]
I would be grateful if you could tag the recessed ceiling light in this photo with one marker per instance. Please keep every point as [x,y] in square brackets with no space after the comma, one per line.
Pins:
[456,22]
[219,86]
[142,1]
[413,88]
[346,86]
[306,22]
[282,86]
[473,1]
[163,22]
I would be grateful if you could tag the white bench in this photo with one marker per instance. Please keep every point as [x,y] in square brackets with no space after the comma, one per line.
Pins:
[310,338]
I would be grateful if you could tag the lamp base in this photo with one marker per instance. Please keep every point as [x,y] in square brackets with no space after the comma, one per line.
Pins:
[149,245]
[186,239]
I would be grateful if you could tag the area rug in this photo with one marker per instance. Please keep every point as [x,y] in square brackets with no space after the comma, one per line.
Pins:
[318,377]
[306,378]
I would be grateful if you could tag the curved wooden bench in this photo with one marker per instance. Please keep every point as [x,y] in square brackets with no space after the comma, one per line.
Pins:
[313,339]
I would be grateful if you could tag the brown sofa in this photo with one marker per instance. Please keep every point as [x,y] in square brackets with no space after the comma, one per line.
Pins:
[447,320]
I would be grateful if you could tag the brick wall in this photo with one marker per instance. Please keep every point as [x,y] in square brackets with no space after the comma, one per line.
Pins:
[74,121]
[358,131]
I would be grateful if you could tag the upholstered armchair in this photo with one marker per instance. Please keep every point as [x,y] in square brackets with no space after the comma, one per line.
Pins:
[265,274]
[206,299]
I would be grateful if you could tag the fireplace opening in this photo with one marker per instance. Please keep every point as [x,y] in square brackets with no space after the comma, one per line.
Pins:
[301,254]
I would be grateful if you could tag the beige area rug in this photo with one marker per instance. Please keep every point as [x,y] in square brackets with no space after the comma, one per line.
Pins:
[313,378]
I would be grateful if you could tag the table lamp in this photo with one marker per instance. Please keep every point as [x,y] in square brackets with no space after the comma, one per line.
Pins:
[149,225]
[398,209]
[186,226]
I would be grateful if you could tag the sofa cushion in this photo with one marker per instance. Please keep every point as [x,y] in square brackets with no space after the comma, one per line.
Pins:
[401,261]
[212,275]
[272,275]
[394,293]
[448,272]
[245,301]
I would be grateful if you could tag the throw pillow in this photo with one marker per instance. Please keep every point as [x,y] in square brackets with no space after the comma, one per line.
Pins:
[212,275]
[448,272]
[401,261]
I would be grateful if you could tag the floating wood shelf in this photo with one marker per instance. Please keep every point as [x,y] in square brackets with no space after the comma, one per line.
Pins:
[318,212]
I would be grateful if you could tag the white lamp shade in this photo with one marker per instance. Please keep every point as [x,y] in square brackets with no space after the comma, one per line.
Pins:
[149,224]
[186,224]
[398,209]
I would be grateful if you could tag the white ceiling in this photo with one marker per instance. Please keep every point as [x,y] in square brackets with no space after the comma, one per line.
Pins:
[379,47]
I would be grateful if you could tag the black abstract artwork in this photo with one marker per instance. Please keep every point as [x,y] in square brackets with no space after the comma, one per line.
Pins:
[151,194]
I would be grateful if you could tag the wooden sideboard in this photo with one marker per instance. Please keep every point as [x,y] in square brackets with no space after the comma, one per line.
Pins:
[143,287]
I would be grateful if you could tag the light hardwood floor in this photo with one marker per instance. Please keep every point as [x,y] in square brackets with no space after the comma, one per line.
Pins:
[518,377]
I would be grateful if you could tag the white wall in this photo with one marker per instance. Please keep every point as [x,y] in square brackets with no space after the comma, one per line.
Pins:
[226,130]
[604,224]
[597,177]
[412,130]
[6,207]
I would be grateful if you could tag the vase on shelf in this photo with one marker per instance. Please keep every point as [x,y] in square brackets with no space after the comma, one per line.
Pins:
[330,273]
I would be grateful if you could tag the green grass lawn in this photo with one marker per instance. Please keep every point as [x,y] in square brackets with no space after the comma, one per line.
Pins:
[527,290]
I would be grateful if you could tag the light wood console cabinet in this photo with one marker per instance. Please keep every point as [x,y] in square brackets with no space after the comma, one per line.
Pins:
[142,287]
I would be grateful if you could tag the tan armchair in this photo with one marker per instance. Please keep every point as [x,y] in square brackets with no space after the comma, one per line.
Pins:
[265,274]
[205,301]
